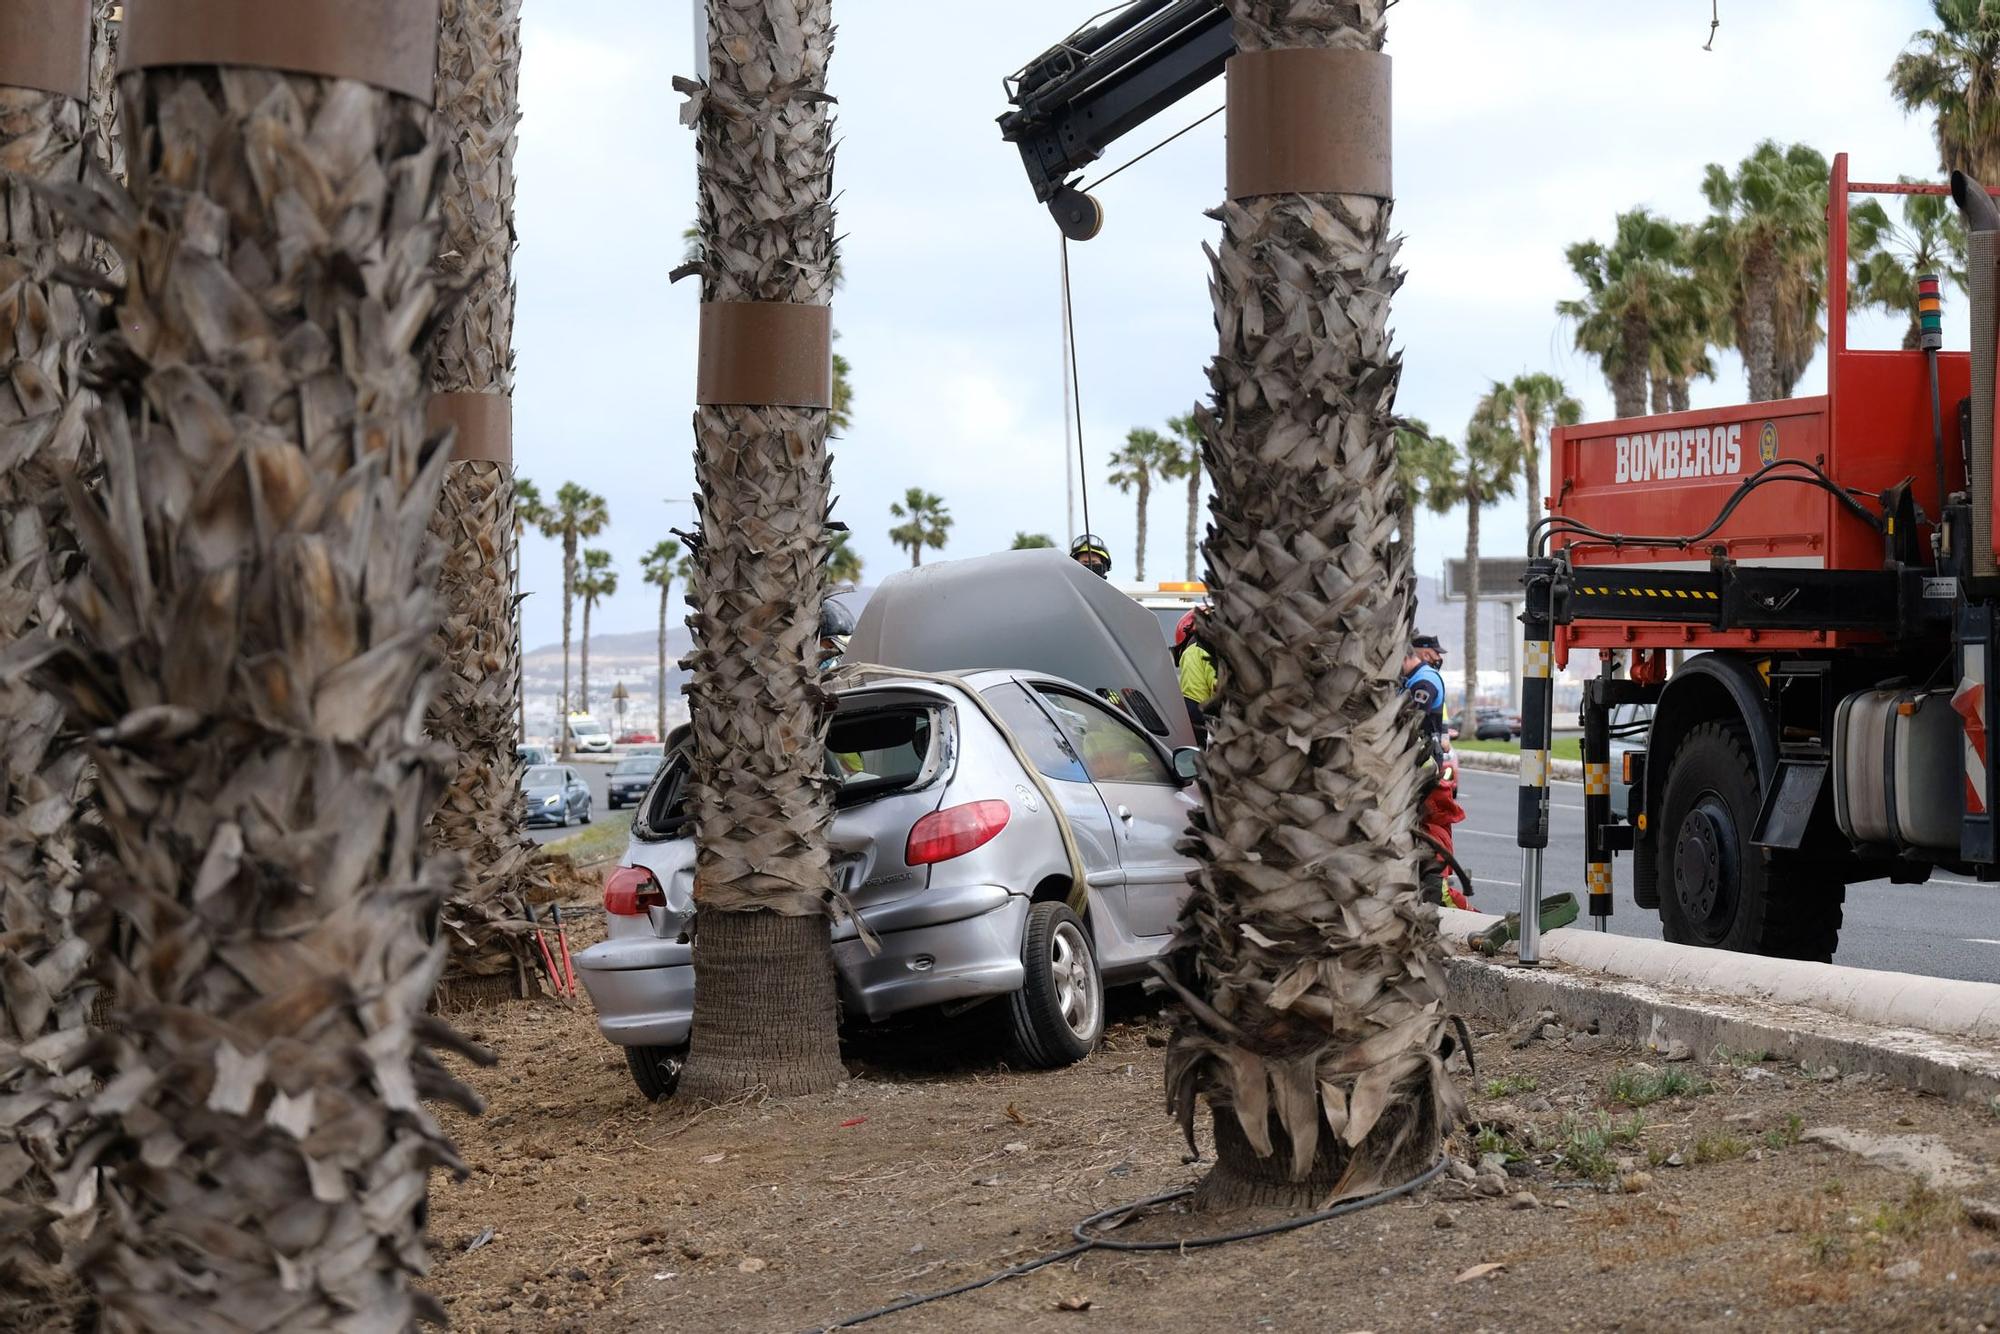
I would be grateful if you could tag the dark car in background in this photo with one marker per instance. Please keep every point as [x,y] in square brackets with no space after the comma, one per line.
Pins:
[556,794]
[630,778]
[1496,725]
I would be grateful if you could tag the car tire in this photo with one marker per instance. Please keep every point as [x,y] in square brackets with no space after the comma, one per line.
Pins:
[656,1070]
[586,812]
[1716,889]
[1057,1016]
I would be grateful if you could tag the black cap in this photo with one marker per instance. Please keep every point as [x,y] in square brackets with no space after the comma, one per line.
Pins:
[1426,641]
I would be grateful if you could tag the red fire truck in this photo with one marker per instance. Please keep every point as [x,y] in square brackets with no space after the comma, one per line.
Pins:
[1827,567]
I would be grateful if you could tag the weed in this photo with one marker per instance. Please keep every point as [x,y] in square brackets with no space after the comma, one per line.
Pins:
[1785,1136]
[1718,1149]
[1508,1085]
[1637,1087]
[1738,1059]
[1584,1143]
[1835,1187]
[1491,1139]
[1827,1249]
[1921,1213]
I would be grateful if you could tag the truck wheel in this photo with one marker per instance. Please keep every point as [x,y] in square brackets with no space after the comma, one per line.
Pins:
[656,1070]
[1057,1016]
[1715,887]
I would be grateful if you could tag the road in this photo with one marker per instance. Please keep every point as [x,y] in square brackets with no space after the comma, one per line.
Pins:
[1947,928]
[594,772]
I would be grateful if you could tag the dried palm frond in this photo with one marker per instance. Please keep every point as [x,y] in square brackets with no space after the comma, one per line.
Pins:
[45,995]
[764,995]
[479,65]
[106,21]
[249,662]
[1321,1049]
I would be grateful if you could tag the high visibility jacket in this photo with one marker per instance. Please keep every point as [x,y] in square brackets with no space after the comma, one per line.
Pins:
[1197,673]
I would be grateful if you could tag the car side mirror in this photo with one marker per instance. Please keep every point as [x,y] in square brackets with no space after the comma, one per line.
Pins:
[1187,764]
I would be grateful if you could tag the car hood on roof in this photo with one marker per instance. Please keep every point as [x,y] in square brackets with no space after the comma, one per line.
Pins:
[1035,611]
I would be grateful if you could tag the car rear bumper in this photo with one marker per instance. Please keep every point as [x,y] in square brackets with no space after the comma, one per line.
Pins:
[944,945]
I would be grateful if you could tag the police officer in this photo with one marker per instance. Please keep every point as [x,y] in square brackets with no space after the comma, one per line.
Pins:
[1425,684]
[1439,809]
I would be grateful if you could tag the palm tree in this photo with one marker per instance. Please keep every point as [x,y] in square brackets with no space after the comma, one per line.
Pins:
[1026,541]
[1889,258]
[1183,457]
[1631,287]
[1318,1038]
[530,511]
[926,523]
[45,991]
[659,565]
[843,562]
[479,710]
[1424,469]
[597,582]
[244,661]
[766,1007]
[577,514]
[1953,72]
[1145,455]
[1485,472]
[1763,247]
[1536,404]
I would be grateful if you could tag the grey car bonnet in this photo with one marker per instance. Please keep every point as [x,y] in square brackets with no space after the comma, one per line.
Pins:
[1028,611]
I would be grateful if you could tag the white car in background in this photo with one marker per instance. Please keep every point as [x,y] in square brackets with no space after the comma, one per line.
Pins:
[588,735]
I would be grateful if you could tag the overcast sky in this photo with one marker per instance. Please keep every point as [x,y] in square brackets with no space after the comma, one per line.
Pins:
[1520,127]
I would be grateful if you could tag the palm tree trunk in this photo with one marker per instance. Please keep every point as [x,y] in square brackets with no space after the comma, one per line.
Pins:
[660,694]
[1662,392]
[479,62]
[765,1001]
[45,993]
[916,554]
[1531,466]
[1406,526]
[1679,399]
[1304,928]
[1145,496]
[245,669]
[1194,522]
[583,655]
[566,744]
[1760,331]
[1628,384]
[1472,507]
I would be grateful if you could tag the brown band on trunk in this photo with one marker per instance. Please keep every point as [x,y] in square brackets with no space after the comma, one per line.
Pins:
[765,354]
[46,46]
[485,425]
[391,44]
[1309,120]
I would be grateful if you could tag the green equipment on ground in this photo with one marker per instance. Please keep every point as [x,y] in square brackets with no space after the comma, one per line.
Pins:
[1560,910]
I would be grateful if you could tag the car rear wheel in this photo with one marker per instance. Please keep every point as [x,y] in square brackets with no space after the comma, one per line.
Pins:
[656,1070]
[1057,1016]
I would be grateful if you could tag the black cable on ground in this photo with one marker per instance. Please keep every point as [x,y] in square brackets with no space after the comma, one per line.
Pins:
[1088,1240]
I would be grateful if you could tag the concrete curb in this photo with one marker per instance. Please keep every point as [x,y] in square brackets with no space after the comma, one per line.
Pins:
[1503,762]
[1818,1015]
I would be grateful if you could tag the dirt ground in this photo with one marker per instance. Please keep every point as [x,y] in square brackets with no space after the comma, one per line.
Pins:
[1708,1206]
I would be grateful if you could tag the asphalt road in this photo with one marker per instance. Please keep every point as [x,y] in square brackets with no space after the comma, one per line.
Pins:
[594,772]
[1949,927]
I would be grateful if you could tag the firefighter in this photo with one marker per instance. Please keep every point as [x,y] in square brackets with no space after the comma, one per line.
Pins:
[1196,661]
[1439,810]
[1090,552]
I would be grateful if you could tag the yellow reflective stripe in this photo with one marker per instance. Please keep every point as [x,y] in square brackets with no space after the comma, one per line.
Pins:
[1597,875]
[1536,661]
[1534,768]
[1596,780]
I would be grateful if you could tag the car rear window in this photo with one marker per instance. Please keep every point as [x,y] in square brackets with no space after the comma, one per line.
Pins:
[878,751]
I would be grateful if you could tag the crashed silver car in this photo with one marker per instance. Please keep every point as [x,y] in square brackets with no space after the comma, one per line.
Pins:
[1006,834]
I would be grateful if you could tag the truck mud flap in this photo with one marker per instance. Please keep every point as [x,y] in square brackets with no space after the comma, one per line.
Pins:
[1788,804]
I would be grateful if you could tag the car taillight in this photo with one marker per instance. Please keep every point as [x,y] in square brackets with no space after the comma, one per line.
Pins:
[630,890]
[955,831]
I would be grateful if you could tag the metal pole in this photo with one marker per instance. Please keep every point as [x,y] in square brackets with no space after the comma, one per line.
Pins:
[1537,734]
[1597,794]
[1069,426]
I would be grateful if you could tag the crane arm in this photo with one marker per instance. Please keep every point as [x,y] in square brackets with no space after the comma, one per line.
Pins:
[1102,82]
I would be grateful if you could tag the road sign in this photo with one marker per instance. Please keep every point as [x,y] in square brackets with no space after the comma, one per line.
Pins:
[1499,578]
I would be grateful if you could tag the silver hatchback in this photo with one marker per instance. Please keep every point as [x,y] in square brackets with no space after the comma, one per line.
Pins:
[953,854]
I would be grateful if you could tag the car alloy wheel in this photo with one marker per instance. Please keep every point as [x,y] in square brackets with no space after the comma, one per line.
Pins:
[1079,991]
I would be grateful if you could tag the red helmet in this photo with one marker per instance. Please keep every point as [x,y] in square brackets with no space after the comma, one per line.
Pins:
[1184,631]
